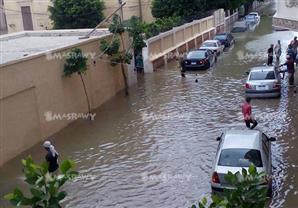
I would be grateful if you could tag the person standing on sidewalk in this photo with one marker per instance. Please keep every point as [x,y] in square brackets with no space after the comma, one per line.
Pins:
[246,111]
[277,51]
[270,55]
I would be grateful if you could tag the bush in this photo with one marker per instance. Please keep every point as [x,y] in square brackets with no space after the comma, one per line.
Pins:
[44,187]
[162,25]
[247,192]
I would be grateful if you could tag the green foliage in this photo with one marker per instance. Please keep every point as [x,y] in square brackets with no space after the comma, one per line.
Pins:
[112,47]
[75,14]
[161,25]
[135,31]
[246,192]
[181,8]
[44,187]
[76,62]
[116,26]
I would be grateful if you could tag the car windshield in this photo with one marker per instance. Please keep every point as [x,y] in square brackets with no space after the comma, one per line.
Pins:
[196,55]
[262,75]
[209,44]
[220,37]
[240,158]
[250,17]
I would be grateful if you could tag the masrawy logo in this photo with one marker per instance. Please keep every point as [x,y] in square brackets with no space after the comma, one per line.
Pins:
[50,116]
[62,55]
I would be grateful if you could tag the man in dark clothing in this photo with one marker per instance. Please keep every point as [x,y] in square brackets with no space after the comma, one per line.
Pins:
[246,111]
[51,157]
[270,55]
[290,69]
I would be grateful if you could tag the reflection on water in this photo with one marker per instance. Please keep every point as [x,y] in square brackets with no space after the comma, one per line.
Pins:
[155,148]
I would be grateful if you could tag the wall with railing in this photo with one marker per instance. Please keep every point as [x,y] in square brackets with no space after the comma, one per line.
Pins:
[165,46]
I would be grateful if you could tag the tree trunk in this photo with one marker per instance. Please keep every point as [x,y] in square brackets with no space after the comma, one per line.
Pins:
[122,67]
[124,78]
[85,90]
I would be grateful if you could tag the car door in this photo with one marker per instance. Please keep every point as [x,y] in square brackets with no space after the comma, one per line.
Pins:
[266,147]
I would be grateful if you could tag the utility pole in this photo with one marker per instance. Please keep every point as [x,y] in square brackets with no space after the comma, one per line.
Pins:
[140,10]
[121,10]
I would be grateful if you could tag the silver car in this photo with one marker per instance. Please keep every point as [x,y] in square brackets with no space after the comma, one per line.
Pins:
[263,82]
[237,149]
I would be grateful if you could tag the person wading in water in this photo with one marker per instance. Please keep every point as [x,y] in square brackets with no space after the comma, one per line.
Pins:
[51,157]
[246,111]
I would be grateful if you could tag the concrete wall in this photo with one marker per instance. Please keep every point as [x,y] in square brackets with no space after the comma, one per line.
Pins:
[168,45]
[286,16]
[32,87]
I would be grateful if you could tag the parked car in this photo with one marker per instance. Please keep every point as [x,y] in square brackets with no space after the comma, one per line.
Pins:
[198,60]
[251,19]
[226,39]
[213,45]
[239,26]
[239,149]
[256,14]
[263,82]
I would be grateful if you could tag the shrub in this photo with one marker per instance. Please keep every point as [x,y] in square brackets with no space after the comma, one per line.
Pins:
[44,187]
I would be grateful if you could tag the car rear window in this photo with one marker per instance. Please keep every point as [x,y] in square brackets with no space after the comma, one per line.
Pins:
[250,17]
[196,55]
[221,37]
[240,158]
[209,44]
[262,75]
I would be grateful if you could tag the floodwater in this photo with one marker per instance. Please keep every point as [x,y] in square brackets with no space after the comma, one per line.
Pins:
[155,148]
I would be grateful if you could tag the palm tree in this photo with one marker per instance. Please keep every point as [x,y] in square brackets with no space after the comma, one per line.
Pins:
[76,62]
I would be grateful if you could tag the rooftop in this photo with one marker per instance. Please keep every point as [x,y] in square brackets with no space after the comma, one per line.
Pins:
[20,45]
[248,139]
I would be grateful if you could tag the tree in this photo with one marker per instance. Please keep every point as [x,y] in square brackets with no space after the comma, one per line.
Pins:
[112,48]
[43,186]
[247,192]
[180,8]
[75,14]
[135,31]
[76,62]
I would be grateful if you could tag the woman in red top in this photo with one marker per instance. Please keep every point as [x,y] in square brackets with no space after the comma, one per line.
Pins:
[246,111]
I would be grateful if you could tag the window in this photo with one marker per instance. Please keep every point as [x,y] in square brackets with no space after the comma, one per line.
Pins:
[240,158]
[196,55]
[262,75]
[209,44]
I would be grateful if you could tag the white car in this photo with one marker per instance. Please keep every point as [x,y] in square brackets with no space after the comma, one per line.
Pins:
[238,149]
[256,14]
[213,45]
[263,82]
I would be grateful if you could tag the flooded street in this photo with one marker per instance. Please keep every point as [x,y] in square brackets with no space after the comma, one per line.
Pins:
[155,148]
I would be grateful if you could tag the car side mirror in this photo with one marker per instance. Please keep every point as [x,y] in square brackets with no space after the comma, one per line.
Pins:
[247,72]
[272,139]
[218,139]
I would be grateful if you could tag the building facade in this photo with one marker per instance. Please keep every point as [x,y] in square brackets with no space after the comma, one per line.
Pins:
[20,15]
